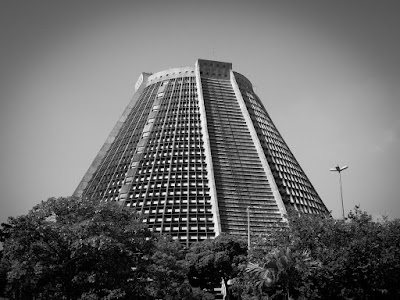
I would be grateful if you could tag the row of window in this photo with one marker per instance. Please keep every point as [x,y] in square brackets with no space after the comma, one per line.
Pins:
[235,158]
[124,142]
[293,179]
[171,178]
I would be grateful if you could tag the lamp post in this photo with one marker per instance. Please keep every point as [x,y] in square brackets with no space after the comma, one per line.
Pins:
[248,225]
[339,170]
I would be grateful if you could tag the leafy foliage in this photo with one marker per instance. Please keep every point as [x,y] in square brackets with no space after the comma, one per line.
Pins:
[3,277]
[67,247]
[325,258]
[168,272]
[283,272]
[213,261]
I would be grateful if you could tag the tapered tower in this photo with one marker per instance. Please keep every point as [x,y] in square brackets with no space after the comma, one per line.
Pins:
[193,150]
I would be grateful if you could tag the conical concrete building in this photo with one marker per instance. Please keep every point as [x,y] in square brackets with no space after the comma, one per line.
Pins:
[194,149]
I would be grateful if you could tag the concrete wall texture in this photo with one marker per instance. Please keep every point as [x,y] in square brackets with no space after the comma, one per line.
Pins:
[194,151]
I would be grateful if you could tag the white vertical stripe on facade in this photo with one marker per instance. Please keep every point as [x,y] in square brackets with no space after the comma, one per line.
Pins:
[258,146]
[207,147]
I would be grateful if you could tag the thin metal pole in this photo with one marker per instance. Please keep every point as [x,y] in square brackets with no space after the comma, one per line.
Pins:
[248,228]
[339,170]
[341,192]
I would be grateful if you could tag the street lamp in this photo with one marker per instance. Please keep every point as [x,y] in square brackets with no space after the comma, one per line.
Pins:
[248,225]
[339,170]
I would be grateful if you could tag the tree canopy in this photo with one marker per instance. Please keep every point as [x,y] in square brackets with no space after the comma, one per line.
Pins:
[355,258]
[214,261]
[69,248]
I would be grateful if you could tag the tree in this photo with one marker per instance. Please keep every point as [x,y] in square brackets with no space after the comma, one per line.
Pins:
[283,274]
[213,261]
[69,248]
[355,258]
[3,277]
[168,272]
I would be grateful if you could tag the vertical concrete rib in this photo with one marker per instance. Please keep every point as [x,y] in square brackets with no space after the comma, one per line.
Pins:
[194,148]
[207,147]
[258,146]
[137,157]
[139,86]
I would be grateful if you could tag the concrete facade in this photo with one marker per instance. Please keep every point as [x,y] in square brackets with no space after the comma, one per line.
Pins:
[194,150]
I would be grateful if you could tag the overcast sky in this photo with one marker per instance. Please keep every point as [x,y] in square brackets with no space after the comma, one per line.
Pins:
[327,73]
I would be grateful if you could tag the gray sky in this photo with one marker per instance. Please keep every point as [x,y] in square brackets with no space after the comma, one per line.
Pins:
[328,74]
